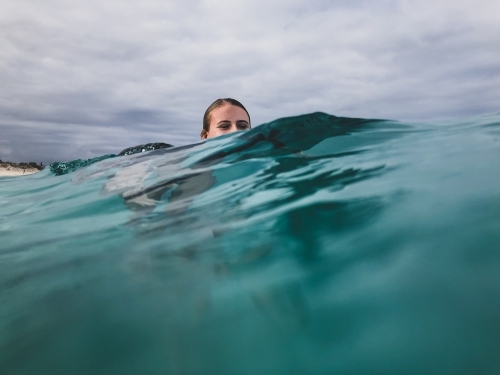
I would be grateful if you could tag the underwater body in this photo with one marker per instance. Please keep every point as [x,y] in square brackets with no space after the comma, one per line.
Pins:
[309,245]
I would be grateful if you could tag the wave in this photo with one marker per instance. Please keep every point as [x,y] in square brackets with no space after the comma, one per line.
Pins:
[310,244]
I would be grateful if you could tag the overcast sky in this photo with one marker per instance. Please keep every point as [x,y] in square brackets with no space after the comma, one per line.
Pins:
[83,78]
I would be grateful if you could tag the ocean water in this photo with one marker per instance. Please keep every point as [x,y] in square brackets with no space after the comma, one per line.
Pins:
[309,245]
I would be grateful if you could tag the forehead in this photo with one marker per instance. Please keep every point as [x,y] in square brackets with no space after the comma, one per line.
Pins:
[228,112]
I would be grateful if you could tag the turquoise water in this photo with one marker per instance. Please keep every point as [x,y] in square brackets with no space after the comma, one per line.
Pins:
[309,245]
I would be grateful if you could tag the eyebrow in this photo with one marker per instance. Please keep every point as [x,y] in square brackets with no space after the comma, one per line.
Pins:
[237,122]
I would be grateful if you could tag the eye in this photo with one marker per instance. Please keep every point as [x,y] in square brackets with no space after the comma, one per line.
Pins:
[243,126]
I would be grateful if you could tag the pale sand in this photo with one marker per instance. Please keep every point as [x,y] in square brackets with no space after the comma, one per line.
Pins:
[13,171]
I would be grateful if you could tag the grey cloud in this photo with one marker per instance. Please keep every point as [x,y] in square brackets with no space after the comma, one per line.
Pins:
[138,116]
[83,79]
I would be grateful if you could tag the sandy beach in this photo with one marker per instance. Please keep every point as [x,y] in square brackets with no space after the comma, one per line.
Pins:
[22,169]
[16,172]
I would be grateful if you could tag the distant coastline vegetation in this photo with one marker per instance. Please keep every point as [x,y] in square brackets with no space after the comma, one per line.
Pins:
[23,166]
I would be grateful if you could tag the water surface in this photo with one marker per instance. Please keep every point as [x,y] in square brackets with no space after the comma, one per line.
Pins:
[309,245]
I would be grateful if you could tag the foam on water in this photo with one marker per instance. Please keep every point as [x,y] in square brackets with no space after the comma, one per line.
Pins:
[309,245]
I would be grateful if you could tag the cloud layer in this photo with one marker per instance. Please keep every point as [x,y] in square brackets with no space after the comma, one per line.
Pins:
[82,79]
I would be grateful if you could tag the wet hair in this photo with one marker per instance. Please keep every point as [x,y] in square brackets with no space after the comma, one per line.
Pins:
[218,103]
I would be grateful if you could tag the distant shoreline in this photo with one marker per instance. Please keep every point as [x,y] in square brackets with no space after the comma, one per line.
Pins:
[8,168]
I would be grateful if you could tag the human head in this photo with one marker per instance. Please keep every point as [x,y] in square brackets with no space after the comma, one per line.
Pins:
[224,116]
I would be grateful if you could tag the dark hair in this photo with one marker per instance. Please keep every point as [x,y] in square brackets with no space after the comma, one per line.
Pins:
[218,103]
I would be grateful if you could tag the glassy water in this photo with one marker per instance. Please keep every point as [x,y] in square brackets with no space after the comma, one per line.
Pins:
[309,245]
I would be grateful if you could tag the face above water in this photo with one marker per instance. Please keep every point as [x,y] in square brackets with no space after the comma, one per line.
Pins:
[227,119]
